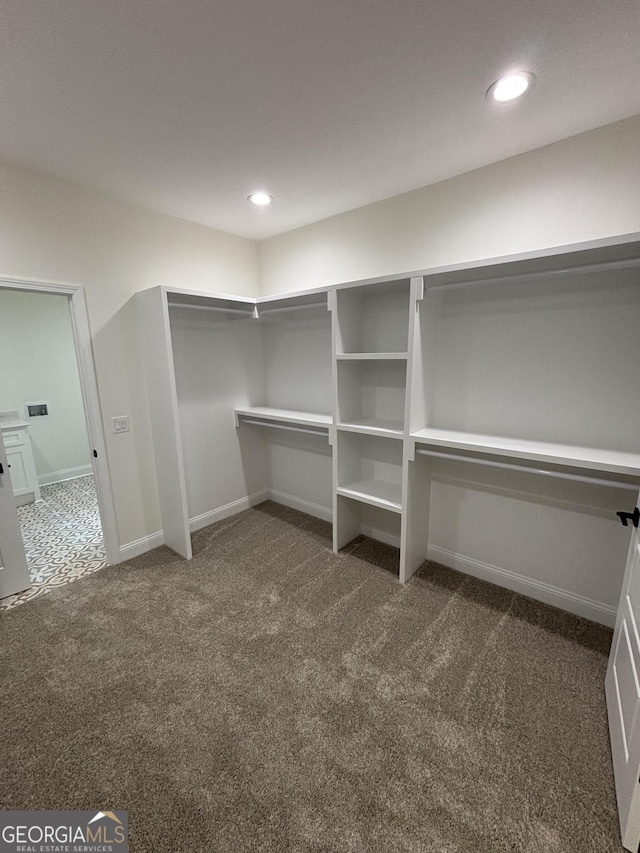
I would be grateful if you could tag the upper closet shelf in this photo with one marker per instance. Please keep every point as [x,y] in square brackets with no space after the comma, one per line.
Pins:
[284,416]
[591,458]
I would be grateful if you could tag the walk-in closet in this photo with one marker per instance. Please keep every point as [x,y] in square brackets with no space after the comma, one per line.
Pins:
[484,416]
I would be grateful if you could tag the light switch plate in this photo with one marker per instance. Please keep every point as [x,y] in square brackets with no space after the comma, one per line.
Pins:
[121,423]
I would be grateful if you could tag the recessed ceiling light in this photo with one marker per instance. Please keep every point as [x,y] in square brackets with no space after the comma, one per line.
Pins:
[261,198]
[510,87]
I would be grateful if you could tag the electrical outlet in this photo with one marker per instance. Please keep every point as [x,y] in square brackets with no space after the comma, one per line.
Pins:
[121,423]
[37,410]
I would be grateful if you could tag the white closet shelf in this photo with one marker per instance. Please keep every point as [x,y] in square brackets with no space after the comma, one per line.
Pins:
[374,426]
[371,356]
[590,458]
[378,493]
[285,416]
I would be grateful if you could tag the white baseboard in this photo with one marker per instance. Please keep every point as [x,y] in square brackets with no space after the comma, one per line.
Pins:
[309,508]
[541,591]
[207,518]
[141,546]
[154,540]
[64,474]
[381,536]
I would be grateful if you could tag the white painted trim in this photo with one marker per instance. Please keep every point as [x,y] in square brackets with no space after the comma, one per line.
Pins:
[381,536]
[90,399]
[155,540]
[605,614]
[207,518]
[309,508]
[141,546]
[326,514]
[539,590]
[65,474]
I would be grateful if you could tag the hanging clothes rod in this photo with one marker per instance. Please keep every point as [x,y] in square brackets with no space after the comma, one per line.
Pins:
[527,276]
[615,484]
[292,428]
[304,307]
[247,312]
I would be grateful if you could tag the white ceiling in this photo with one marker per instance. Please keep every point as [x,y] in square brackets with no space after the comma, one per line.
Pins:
[186,106]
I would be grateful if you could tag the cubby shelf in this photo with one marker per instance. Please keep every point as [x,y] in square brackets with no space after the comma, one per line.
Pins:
[285,416]
[378,493]
[591,458]
[371,356]
[374,426]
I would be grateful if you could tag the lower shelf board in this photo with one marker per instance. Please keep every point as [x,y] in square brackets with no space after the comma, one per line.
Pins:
[378,493]
[374,426]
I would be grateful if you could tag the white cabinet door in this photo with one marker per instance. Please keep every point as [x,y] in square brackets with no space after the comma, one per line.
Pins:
[623,699]
[14,572]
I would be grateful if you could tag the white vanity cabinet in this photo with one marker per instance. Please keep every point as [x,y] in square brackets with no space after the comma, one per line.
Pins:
[17,442]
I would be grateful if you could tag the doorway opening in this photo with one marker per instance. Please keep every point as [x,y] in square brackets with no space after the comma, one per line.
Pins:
[52,438]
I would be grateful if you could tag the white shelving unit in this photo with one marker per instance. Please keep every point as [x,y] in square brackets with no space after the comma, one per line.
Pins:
[372,333]
[370,470]
[428,410]
[371,396]
[517,390]
[590,458]
[373,321]
[283,417]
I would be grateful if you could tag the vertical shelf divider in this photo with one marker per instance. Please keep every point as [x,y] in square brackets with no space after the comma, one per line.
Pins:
[338,539]
[416,474]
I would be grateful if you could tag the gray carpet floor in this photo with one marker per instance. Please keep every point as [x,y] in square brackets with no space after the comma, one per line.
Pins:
[273,696]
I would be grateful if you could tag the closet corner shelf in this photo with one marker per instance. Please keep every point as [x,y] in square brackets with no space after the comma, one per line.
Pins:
[378,493]
[374,426]
[371,356]
[591,458]
[285,416]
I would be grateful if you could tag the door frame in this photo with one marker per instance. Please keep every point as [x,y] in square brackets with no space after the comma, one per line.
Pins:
[90,398]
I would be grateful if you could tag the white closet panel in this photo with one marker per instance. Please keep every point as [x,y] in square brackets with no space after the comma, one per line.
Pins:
[218,366]
[155,331]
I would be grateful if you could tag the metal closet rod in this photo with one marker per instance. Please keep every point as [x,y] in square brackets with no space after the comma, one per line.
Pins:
[522,276]
[246,312]
[615,484]
[254,311]
[273,425]
[262,310]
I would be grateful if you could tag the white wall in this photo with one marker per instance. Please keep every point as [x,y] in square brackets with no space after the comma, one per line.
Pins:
[56,231]
[39,365]
[582,188]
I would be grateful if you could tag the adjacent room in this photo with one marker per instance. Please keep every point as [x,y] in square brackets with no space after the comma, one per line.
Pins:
[320,427]
[45,436]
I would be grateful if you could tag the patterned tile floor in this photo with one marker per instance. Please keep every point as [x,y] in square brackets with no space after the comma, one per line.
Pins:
[62,537]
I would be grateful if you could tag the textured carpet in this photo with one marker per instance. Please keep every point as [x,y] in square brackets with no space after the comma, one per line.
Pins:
[272,696]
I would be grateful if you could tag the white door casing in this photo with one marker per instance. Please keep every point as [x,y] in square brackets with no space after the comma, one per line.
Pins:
[89,388]
[622,687]
[14,571]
